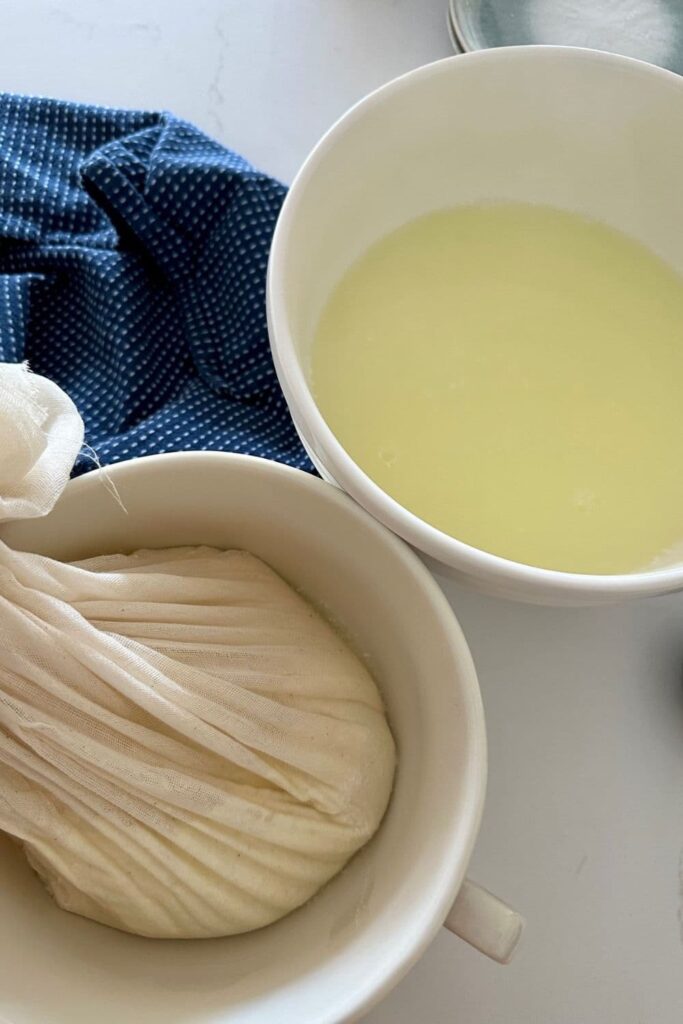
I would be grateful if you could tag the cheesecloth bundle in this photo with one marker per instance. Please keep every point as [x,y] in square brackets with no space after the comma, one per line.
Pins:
[187,749]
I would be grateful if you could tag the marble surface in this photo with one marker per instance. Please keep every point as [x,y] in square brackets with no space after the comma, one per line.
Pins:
[583,828]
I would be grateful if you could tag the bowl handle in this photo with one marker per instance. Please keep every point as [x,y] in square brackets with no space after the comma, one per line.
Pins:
[488,924]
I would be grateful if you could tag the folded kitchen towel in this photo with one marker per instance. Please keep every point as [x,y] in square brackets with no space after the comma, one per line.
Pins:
[133,253]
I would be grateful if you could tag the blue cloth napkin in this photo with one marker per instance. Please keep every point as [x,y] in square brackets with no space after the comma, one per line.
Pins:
[133,253]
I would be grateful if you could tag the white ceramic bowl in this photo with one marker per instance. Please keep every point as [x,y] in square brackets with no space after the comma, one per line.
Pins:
[330,960]
[585,131]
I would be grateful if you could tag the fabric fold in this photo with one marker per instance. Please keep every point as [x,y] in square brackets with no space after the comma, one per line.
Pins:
[149,242]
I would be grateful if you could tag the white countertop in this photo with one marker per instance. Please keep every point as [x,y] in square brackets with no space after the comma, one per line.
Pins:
[583,828]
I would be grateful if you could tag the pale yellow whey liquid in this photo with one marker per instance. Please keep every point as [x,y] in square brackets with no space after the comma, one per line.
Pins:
[513,375]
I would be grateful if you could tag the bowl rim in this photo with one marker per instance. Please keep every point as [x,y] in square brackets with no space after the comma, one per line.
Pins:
[317,436]
[458,843]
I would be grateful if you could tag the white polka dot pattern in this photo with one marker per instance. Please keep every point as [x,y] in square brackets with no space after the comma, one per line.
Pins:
[133,253]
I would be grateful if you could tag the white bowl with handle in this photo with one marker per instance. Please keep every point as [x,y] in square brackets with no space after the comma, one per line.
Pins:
[332,959]
[581,130]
